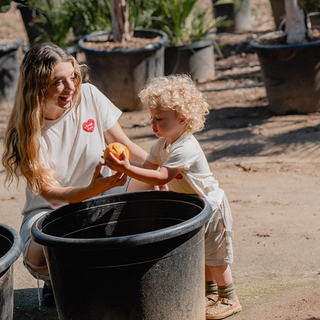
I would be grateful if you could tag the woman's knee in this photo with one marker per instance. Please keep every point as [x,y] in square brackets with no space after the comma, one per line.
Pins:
[35,258]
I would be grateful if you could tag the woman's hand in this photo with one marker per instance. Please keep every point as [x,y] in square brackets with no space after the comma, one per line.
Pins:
[58,196]
[100,184]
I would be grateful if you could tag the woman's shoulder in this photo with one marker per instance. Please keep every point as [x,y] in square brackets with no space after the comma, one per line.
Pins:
[88,88]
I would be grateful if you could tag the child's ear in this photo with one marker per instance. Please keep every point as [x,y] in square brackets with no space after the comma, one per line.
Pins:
[184,120]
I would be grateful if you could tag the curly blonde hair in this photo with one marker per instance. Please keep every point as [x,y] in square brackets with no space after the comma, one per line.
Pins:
[179,93]
[22,150]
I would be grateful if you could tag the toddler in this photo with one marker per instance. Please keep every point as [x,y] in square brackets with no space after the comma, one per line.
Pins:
[177,110]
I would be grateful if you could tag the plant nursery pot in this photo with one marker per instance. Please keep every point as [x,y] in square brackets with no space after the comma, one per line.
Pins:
[291,74]
[196,59]
[241,18]
[33,29]
[10,250]
[132,256]
[122,74]
[9,71]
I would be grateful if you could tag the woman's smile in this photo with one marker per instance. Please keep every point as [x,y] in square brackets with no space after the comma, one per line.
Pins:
[59,94]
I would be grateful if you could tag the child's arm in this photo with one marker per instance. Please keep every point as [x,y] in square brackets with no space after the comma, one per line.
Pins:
[152,175]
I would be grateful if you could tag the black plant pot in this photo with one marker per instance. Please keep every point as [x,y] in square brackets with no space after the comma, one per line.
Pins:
[291,74]
[196,59]
[10,250]
[132,256]
[122,74]
[9,71]
[241,18]
[33,29]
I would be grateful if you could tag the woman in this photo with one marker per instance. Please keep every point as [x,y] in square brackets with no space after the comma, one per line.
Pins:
[55,138]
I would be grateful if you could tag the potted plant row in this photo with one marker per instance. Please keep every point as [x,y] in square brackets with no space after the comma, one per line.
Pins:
[185,38]
[290,63]
[117,69]
[121,60]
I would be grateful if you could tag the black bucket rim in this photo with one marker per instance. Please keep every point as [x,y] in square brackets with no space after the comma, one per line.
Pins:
[150,47]
[16,248]
[131,240]
[262,47]
[11,46]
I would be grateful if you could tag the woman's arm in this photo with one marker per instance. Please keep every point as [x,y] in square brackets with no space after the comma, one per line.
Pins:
[58,196]
[116,134]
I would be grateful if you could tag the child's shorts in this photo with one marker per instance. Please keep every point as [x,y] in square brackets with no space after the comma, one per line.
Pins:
[218,244]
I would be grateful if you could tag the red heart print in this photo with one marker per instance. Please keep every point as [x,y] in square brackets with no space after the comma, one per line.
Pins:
[89,125]
[179,176]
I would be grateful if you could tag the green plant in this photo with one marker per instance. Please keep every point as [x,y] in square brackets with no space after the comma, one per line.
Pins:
[183,21]
[65,21]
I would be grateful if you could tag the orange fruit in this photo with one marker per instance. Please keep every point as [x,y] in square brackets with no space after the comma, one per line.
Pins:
[116,149]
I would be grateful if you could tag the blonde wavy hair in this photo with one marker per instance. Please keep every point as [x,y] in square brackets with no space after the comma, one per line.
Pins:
[22,155]
[179,93]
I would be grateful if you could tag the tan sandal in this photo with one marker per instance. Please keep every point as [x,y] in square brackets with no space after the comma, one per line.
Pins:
[211,299]
[223,308]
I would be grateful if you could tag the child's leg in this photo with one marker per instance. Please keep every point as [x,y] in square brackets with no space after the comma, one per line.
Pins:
[220,274]
[219,254]
[227,302]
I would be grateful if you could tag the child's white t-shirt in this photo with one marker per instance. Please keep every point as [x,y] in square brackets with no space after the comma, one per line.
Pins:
[195,177]
[73,144]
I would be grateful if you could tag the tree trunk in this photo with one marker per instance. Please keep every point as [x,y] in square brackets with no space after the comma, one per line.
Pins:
[297,28]
[120,20]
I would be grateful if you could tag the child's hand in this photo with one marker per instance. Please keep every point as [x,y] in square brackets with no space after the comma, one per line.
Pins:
[117,165]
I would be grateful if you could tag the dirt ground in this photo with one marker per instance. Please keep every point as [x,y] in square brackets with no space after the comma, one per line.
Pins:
[269,167]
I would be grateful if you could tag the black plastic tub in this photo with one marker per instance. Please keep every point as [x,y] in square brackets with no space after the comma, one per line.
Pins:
[10,250]
[129,256]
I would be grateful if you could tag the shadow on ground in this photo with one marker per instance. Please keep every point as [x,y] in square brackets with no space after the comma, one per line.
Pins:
[26,306]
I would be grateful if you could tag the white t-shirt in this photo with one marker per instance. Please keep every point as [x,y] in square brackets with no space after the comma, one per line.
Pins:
[195,177]
[73,144]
